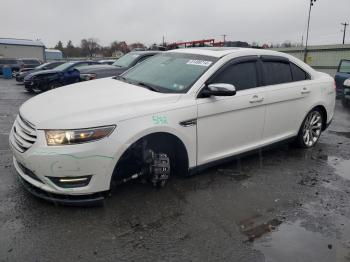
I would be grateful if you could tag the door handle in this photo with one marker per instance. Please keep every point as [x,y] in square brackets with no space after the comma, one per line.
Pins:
[305,91]
[256,99]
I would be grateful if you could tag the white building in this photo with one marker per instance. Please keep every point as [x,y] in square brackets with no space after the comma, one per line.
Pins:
[22,48]
[53,54]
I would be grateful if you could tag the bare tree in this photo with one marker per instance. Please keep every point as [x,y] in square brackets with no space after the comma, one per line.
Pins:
[90,46]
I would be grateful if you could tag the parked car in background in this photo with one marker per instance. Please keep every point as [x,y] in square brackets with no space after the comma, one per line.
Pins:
[343,73]
[30,62]
[47,66]
[118,67]
[174,114]
[345,99]
[107,61]
[18,64]
[64,74]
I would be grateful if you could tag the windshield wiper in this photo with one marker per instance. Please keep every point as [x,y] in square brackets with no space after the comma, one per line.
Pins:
[148,86]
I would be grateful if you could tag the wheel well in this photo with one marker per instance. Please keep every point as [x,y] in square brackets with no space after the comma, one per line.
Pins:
[132,159]
[324,114]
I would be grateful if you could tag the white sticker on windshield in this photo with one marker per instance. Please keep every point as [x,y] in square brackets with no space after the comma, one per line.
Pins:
[199,63]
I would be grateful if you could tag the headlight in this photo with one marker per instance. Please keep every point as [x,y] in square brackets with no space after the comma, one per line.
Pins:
[69,137]
[87,77]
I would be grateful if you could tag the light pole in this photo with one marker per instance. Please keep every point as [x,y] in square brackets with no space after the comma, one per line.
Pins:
[307,32]
[345,25]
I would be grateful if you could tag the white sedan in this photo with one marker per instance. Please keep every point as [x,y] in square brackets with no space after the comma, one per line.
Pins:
[176,113]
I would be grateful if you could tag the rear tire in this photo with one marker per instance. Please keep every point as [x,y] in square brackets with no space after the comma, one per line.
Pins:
[310,130]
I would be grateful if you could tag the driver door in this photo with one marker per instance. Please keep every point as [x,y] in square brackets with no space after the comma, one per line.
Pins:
[72,75]
[231,125]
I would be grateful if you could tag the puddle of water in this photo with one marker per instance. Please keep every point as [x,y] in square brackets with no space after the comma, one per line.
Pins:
[339,133]
[291,242]
[342,166]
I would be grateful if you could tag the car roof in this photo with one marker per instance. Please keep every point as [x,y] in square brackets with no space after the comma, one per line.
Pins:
[223,51]
[145,52]
[25,59]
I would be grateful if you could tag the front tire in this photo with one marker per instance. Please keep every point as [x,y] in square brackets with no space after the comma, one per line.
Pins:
[53,85]
[310,130]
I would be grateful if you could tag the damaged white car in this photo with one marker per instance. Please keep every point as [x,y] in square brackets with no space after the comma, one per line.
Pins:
[176,113]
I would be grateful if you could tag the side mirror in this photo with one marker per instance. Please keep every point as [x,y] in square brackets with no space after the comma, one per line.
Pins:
[347,82]
[219,89]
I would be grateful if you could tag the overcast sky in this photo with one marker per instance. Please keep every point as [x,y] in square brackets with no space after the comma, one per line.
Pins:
[148,20]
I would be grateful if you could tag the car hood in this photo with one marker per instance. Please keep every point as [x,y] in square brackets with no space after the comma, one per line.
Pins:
[41,73]
[93,103]
[45,72]
[98,68]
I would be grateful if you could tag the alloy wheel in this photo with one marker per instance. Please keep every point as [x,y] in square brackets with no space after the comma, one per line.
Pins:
[312,128]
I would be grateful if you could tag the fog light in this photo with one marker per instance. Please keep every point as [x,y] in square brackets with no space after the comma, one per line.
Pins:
[71,182]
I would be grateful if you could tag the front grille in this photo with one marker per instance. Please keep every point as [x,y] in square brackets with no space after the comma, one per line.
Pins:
[24,134]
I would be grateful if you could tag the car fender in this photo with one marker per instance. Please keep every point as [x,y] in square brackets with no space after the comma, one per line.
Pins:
[129,131]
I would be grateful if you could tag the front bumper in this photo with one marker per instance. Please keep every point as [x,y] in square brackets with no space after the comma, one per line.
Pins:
[86,200]
[19,78]
[40,163]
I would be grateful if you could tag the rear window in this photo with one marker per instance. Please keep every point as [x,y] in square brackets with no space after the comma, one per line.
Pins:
[298,73]
[344,66]
[277,72]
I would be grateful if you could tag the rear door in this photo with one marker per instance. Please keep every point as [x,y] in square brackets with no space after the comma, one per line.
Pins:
[288,92]
[230,125]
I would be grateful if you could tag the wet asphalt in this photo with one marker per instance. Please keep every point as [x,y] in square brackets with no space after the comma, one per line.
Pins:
[284,204]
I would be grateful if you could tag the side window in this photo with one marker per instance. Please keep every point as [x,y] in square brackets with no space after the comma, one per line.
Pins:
[242,76]
[80,65]
[297,73]
[276,72]
[344,66]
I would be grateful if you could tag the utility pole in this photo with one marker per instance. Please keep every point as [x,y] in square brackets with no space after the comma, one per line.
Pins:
[163,40]
[345,25]
[308,27]
[224,36]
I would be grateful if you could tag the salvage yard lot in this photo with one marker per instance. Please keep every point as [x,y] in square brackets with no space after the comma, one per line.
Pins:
[284,204]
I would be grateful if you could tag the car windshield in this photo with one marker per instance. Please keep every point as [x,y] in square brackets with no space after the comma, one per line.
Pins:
[345,67]
[170,72]
[64,66]
[126,60]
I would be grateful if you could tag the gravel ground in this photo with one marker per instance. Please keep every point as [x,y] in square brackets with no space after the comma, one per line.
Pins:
[284,204]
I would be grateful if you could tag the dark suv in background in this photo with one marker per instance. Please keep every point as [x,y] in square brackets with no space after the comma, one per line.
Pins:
[118,67]
[18,64]
[343,88]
